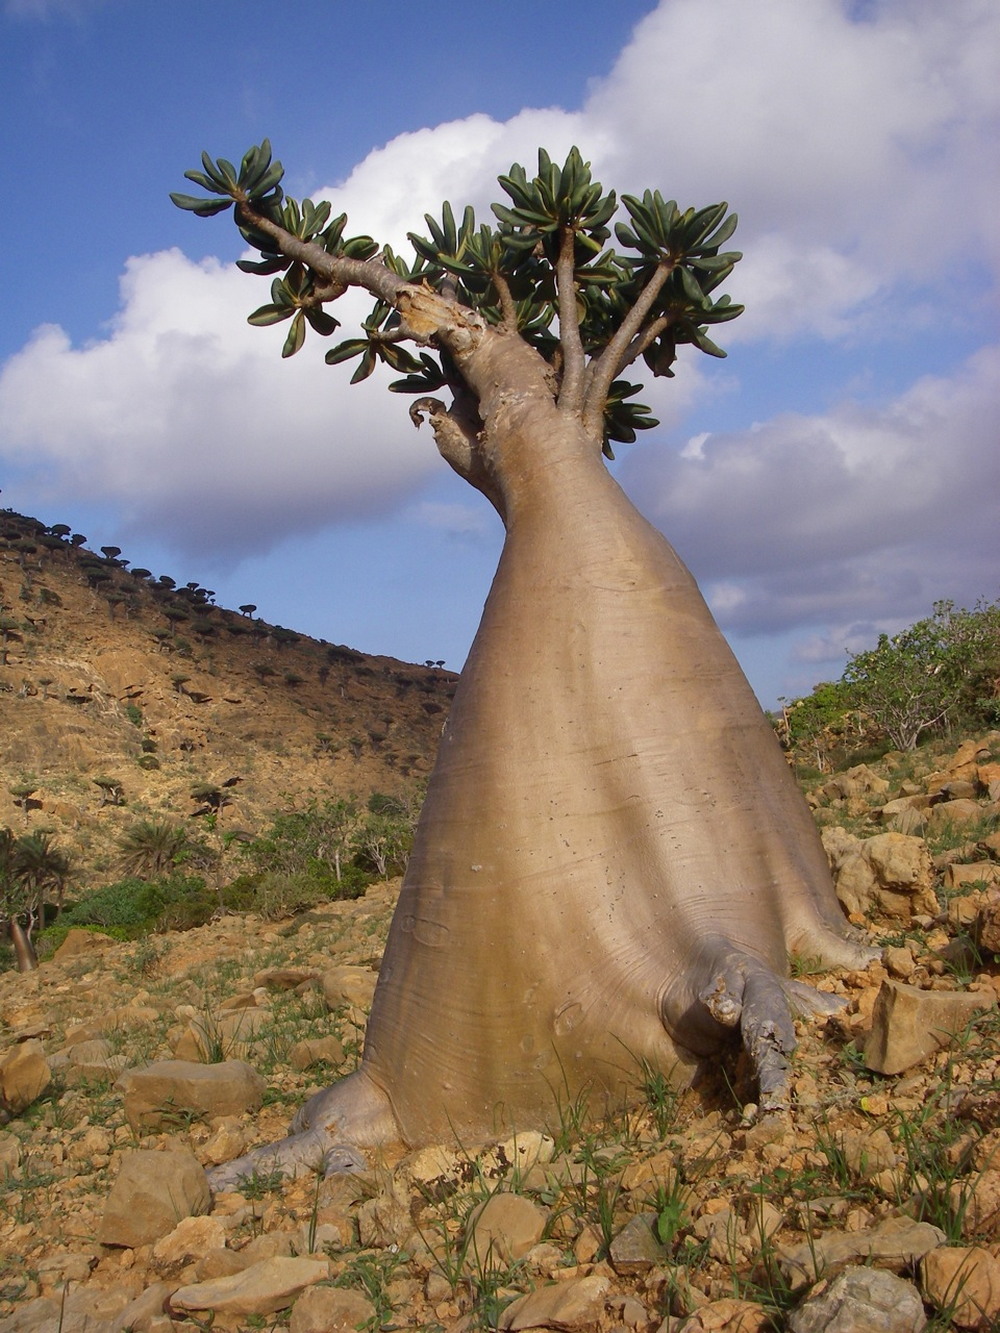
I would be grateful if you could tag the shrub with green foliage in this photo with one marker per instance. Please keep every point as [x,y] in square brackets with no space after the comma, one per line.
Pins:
[132,907]
[942,672]
[940,675]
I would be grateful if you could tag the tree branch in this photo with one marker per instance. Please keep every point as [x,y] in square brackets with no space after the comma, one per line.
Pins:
[644,339]
[571,392]
[508,307]
[340,271]
[603,370]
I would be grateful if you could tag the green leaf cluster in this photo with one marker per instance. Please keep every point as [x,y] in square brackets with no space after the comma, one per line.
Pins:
[257,179]
[669,263]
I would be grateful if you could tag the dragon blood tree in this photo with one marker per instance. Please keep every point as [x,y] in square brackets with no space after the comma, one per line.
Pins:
[613,863]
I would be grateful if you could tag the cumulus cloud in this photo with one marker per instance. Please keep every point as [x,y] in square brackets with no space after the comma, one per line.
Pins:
[853,148]
[862,514]
[183,416]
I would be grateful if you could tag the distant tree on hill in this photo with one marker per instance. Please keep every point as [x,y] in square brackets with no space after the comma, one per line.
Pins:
[941,671]
[33,871]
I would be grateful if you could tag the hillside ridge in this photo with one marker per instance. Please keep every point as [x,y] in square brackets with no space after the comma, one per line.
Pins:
[109,673]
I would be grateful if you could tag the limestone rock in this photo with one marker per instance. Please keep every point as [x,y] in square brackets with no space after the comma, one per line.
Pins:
[728,1315]
[190,1238]
[153,1192]
[314,1051]
[979,873]
[967,1282]
[157,1092]
[148,1306]
[575,1304]
[10,1155]
[520,1154]
[83,1311]
[331,1310]
[892,874]
[229,1032]
[988,922]
[24,1075]
[263,1288]
[861,1300]
[385,1219]
[894,1244]
[636,1248]
[957,813]
[348,985]
[230,1139]
[856,782]
[80,943]
[909,1024]
[504,1228]
[284,978]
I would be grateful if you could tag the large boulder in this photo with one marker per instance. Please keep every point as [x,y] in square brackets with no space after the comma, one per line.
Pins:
[153,1193]
[24,1075]
[154,1094]
[909,1024]
[891,874]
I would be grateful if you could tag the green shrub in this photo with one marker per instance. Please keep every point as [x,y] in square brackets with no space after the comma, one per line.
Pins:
[132,907]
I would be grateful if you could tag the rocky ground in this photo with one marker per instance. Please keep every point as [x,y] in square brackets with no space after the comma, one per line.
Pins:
[874,1204]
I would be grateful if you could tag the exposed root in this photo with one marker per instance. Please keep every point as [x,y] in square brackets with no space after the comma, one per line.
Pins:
[294,1156]
[746,994]
[327,1134]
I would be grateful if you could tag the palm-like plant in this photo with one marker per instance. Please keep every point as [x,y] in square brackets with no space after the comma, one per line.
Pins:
[151,848]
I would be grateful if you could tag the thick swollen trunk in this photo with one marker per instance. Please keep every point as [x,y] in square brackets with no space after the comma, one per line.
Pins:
[613,861]
[610,824]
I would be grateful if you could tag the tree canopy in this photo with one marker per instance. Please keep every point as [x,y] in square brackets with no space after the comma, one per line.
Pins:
[543,270]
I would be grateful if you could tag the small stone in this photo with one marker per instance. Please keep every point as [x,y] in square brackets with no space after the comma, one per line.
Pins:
[156,1094]
[636,1248]
[348,985]
[861,1300]
[574,1304]
[983,873]
[314,1051]
[81,943]
[894,1244]
[900,962]
[284,978]
[504,1228]
[966,1283]
[726,1316]
[331,1310]
[10,1155]
[263,1288]
[190,1238]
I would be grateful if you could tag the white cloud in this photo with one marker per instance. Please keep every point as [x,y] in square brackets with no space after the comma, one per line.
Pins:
[855,151]
[474,521]
[184,416]
[861,513]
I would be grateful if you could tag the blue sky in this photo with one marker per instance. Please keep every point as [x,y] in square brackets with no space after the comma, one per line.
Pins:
[835,476]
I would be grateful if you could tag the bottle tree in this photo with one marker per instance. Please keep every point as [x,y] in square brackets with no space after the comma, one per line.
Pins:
[613,862]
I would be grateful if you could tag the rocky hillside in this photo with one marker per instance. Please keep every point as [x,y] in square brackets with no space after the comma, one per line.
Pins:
[121,693]
[874,1204]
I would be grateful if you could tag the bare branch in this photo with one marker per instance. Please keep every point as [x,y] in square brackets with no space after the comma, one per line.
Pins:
[508,308]
[571,392]
[603,370]
[339,271]
[645,339]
